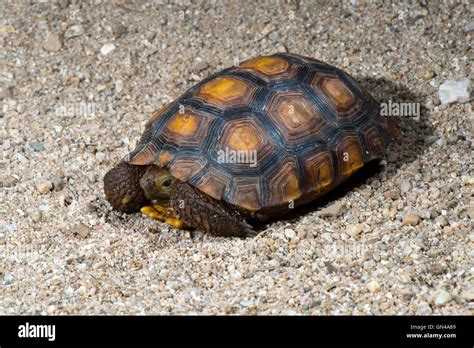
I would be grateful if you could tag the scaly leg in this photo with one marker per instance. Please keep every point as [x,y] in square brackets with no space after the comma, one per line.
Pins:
[206,213]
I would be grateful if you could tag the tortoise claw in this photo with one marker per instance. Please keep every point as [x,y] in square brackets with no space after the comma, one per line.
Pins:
[248,230]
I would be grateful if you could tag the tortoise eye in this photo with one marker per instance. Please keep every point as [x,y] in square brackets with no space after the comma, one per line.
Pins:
[167,183]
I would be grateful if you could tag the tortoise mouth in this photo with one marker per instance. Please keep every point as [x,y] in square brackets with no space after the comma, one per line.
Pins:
[122,188]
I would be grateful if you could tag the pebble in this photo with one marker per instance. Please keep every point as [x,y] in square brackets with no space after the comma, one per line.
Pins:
[454,91]
[118,86]
[247,303]
[373,286]
[74,31]
[53,42]
[274,36]
[405,186]
[423,308]
[43,185]
[107,49]
[333,210]
[441,221]
[58,183]
[37,146]
[202,65]
[411,219]
[428,74]
[289,233]
[441,297]
[35,214]
[22,158]
[7,278]
[7,181]
[7,29]
[469,27]
[441,142]
[355,230]
[393,195]
[119,30]
[81,230]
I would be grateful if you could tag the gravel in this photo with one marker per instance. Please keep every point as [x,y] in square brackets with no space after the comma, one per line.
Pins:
[82,79]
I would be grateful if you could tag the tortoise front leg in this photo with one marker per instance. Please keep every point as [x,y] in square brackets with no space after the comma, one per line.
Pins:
[206,213]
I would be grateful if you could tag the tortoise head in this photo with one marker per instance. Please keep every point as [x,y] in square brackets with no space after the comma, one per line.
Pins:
[129,187]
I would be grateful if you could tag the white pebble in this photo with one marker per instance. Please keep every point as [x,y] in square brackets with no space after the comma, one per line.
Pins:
[43,185]
[373,286]
[107,49]
[441,297]
[454,91]
[290,234]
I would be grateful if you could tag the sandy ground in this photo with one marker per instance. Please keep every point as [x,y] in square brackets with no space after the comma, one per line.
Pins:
[78,83]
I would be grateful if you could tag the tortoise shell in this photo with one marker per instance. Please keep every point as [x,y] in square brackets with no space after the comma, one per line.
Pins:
[310,125]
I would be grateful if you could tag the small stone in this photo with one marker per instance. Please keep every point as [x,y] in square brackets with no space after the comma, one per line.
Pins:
[441,297]
[411,219]
[53,43]
[405,186]
[43,185]
[247,303]
[107,49]
[281,48]
[355,230]
[7,181]
[100,157]
[468,294]
[274,36]
[118,86]
[428,74]
[289,233]
[423,308]
[201,66]
[58,183]
[37,146]
[441,221]
[333,210]
[74,31]
[441,142]
[469,27]
[373,286]
[63,3]
[391,195]
[330,267]
[35,215]
[81,230]
[196,257]
[9,227]
[119,30]
[22,158]
[7,29]
[7,278]
[454,91]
